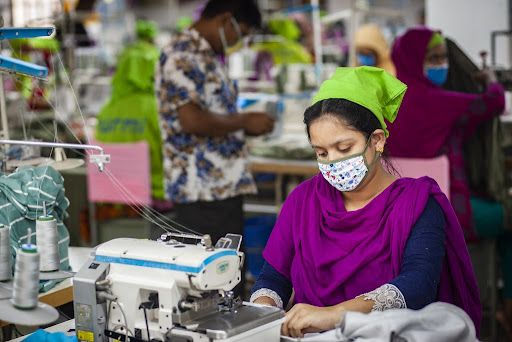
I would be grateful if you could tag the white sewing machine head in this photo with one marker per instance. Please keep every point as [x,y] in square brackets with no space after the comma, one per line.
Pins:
[188,268]
[166,290]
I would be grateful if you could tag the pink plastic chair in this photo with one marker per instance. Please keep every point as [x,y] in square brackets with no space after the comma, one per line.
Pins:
[130,166]
[437,168]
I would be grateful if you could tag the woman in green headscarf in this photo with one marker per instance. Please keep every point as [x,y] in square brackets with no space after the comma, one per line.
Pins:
[356,237]
[131,114]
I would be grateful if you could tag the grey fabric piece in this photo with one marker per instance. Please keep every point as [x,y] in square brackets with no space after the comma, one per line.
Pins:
[436,322]
[440,322]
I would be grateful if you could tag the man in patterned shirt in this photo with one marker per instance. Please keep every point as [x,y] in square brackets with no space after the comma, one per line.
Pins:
[205,158]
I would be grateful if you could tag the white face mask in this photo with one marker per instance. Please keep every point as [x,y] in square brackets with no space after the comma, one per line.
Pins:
[239,43]
[347,173]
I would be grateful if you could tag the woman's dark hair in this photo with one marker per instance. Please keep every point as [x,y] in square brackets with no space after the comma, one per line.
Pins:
[351,114]
[244,11]
[348,112]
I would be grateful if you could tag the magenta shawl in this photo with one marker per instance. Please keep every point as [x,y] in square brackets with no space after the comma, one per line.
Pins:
[331,255]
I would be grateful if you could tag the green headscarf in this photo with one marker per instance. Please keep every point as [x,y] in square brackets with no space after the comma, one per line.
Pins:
[146,29]
[436,39]
[285,27]
[370,87]
[43,44]
[182,22]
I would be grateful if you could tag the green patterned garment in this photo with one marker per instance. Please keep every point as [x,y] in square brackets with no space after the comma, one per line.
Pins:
[21,201]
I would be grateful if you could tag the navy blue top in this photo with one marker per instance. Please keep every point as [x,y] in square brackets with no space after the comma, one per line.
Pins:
[421,264]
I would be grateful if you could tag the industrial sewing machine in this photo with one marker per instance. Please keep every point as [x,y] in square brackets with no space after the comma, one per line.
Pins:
[165,290]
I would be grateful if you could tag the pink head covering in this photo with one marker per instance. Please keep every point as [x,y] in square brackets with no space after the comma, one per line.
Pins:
[409,52]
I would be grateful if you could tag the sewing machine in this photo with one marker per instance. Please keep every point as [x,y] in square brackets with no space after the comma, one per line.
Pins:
[165,290]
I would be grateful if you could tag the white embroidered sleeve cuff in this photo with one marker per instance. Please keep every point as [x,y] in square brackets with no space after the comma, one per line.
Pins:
[267,293]
[386,297]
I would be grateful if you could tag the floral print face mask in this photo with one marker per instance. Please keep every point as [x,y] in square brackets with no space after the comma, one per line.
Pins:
[347,173]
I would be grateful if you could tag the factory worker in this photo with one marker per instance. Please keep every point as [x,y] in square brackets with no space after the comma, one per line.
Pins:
[206,165]
[372,49]
[131,114]
[355,237]
[433,121]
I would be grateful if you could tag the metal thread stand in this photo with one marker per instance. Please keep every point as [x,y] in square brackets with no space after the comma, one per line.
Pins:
[18,66]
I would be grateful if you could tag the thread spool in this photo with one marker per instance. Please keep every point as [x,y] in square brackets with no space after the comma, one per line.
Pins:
[26,277]
[48,243]
[5,254]
[24,307]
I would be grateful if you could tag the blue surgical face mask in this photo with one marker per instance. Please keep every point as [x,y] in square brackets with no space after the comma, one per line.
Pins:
[366,60]
[437,74]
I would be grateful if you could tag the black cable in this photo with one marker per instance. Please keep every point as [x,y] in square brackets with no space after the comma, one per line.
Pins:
[147,326]
[17,333]
[63,314]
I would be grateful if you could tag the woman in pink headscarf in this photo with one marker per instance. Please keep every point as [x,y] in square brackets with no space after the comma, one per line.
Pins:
[433,121]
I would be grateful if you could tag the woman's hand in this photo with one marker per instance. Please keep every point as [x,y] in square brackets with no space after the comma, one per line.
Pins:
[305,318]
